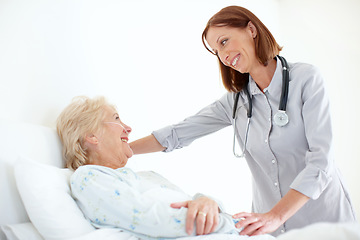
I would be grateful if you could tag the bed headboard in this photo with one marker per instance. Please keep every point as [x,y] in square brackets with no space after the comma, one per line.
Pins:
[35,142]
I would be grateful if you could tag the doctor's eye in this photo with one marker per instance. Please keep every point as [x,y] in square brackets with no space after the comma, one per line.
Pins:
[223,42]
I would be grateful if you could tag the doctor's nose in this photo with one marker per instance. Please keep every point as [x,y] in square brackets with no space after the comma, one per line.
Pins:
[224,58]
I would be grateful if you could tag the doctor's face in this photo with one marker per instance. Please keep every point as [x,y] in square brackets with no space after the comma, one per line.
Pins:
[235,47]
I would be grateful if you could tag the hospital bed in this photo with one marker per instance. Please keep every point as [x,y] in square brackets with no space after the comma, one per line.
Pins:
[35,200]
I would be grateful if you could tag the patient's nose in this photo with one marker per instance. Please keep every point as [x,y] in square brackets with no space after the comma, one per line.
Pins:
[127,129]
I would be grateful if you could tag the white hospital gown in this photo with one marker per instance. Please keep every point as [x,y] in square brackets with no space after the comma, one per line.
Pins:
[135,202]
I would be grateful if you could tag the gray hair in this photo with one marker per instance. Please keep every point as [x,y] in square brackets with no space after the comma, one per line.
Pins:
[83,115]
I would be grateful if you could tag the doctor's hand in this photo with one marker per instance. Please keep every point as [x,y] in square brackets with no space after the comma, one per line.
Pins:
[204,211]
[257,223]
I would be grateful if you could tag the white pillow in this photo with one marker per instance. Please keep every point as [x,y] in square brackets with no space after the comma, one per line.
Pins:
[45,192]
[21,231]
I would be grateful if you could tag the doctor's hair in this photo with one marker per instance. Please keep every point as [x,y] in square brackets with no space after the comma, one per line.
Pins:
[81,117]
[265,45]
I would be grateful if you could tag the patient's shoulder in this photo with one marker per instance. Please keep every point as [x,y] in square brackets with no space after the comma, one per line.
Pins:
[89,170]
[96,173]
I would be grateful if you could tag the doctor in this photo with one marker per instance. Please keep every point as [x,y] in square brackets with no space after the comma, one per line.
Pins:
[295,181]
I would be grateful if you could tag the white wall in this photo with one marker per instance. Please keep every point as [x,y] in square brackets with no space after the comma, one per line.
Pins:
[144,56]
[147,58]
[327,34]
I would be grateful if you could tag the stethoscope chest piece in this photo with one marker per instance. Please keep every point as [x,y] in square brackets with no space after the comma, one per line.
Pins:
[281,118]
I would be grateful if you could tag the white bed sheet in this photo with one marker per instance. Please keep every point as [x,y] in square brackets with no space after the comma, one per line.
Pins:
[113,234]
[320,231]
[26,231]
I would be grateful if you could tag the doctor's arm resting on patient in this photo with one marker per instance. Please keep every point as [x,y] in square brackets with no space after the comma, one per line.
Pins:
[301,164]
[95,145]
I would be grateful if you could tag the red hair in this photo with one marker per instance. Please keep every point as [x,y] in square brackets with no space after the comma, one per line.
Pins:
[266,48]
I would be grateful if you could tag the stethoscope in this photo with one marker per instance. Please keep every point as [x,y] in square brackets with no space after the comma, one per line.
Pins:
[280,118]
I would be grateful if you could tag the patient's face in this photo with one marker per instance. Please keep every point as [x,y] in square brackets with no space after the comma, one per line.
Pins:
[113,140]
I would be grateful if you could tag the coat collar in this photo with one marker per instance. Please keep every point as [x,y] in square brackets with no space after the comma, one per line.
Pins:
[274,87]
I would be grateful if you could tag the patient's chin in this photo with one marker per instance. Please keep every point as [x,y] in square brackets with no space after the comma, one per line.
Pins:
[130,152]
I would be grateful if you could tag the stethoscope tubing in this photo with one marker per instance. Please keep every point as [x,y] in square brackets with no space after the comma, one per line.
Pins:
[285,84]
[282,105]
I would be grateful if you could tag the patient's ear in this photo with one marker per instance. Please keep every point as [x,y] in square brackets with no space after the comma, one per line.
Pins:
[91,139]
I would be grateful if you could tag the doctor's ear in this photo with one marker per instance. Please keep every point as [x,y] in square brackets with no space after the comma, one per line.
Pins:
[252,29]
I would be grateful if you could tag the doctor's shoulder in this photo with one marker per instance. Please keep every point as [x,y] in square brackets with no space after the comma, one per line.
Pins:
[305,74]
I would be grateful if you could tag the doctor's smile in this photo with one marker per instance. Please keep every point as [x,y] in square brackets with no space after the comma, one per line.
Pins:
[233,63]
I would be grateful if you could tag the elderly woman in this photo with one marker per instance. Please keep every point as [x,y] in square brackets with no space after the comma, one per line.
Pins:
[95,145]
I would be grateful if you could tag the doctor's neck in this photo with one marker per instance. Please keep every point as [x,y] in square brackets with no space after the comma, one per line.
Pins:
[262,75]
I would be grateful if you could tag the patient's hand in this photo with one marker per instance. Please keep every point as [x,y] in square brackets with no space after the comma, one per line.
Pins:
[206,213]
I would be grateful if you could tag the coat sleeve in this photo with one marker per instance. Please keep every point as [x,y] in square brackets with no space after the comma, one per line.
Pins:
[316,175]
[208,120]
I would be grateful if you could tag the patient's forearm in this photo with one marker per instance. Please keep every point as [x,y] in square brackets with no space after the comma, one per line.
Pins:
[147,144]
